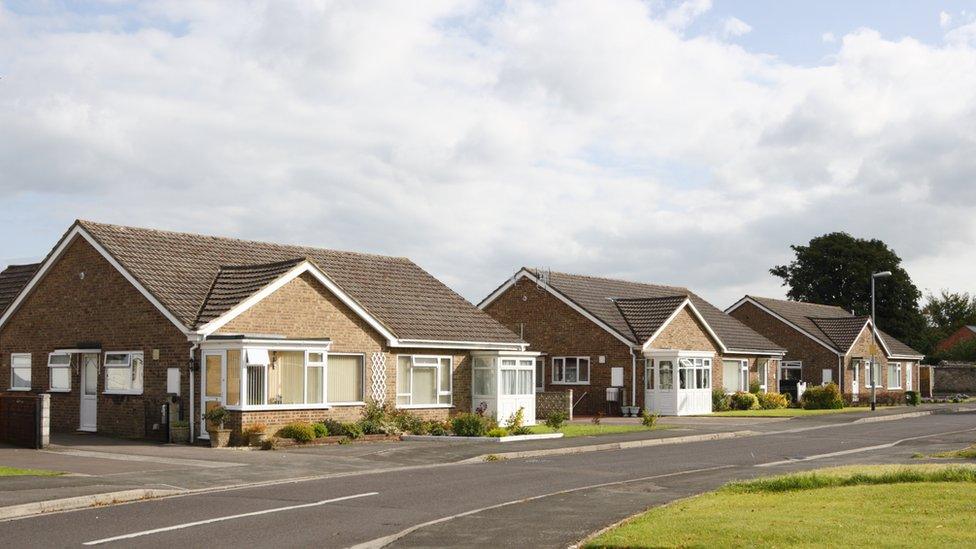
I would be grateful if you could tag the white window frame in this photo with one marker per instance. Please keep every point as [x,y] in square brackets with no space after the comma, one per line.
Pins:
[762,372]
[30,377]
[743,374]
[697,364]
[362,400]
[909,366]
[517,366]
[128,365]
[900,372]
[823,374]
[868,382]
[540,380]
[52,367]
[562,369]
[440,390]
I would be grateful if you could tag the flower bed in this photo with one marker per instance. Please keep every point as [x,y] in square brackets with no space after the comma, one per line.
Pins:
[455,438]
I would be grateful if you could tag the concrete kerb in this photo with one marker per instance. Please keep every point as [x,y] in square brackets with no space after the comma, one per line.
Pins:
[81,502]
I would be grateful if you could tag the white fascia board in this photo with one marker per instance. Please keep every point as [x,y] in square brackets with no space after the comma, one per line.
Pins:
[686,303]
[77,231]
[678,353]
[467,345]
[526,274]
[771,313]
[295,272]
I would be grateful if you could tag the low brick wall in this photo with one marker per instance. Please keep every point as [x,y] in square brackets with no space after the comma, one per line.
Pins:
[553,401]
[954,379]
[275,419]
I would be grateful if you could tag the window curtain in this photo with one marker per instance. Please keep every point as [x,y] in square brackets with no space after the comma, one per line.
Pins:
[233,377]
[286,380]
[345,378]
[424,386]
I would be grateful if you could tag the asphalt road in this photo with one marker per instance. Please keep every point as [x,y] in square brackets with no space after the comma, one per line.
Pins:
[544,502]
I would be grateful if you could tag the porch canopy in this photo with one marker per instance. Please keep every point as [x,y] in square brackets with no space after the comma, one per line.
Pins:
[502,382]
[678,382]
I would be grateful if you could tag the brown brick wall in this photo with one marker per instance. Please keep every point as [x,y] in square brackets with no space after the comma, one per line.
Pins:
[66,310]
[554,328]
[814,356]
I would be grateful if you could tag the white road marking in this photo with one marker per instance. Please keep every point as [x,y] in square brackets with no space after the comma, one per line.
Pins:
[386,540]
[858,450]
[221,519]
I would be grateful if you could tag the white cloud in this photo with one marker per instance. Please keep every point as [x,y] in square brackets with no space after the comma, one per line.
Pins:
[944,19]
[684,13]
[735,27]
[584,136]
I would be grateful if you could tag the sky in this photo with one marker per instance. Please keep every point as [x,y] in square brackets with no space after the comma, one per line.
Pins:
[674,142]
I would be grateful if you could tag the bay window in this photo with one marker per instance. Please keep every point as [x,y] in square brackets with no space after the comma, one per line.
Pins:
[695,373]
[424,380]
[20,372]
[59,369]
[571,370]
[123,372]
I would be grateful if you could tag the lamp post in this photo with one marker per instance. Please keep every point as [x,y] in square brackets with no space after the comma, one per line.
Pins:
[874,332]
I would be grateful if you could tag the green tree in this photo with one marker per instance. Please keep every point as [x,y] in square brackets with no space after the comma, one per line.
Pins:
[949,311]
[835,269]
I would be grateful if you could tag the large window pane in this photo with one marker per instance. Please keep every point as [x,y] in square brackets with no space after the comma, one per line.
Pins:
[286,378]
[60,379]
[509,382]
[255,385]
[525,382]
[445,373]
[233,377]
[584,370]
[313,389]
[403,380]
[424,386]
[731,378]
[346,378]
[213,388]
[666,375]
[483,381]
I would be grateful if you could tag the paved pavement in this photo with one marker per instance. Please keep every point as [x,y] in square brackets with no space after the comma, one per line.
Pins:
[549,501]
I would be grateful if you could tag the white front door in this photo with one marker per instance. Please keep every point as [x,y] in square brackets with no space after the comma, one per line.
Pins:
[855,380]
[88,415]
[212,374]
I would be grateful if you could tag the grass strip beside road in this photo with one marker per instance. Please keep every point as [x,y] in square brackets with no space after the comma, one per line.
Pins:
[15,472]
[929,505]
[785,412]
[570,430]
[965,453]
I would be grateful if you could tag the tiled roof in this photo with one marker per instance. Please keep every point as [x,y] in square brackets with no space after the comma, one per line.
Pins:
[842,330]
[645,315]
[12,281]
[235,283]
[829,324]
[194,276]
[595,295]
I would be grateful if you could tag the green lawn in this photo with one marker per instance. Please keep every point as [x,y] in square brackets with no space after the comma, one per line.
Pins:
[965,453]
[15,472]
[880,506]
[787,412]
[589,429]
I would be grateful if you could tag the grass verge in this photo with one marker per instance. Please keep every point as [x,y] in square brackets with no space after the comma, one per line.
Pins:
[965,453]
[786,412]
[589,429]
[15,472]
[928,505]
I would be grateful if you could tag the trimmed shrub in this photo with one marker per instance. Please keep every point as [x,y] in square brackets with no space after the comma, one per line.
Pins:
[556,420]
[913,398]
[410,423]
[772,401]
[352,430]
[439,428]
[497,432]
[720,401]
[320,430]
[298,431]
[741,400]
[469,425]
[826,397]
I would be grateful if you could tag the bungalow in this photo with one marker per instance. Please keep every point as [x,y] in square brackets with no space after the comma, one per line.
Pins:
[119,321]
[614,342]
[827,344]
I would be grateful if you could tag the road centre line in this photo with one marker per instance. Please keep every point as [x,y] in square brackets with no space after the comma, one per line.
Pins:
[222,519]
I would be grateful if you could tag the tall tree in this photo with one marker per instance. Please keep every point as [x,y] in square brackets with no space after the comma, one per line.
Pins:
[949,311]
[836,268]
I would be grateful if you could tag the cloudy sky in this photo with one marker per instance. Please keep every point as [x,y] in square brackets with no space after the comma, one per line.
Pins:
[676,142]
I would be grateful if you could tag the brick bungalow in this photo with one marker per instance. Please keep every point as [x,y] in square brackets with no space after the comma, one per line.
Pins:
[655,347]
[823,340]
[117,321]
[962,335]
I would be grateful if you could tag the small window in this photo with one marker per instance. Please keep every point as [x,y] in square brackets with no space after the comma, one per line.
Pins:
[666,375]
[20,371]
[571,370]
[59,367]
[894,375]
[123,372]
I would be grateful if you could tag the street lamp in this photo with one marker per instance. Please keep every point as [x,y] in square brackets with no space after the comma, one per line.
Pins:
[874,332]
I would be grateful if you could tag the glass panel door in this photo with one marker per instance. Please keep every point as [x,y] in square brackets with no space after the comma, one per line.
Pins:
[88,414]
[213,374]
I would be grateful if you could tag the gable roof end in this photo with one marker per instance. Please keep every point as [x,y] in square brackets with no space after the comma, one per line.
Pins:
[645,316]
[12,281]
